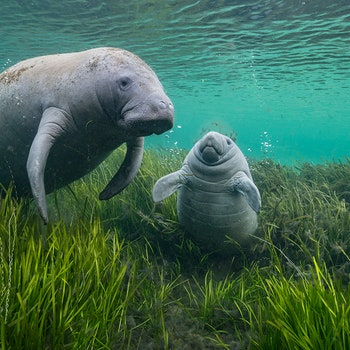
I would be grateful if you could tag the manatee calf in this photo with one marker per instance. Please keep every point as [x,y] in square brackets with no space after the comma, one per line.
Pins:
[62,115]
[216,193]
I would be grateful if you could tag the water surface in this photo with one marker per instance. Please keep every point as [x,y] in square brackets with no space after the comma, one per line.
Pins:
[274,73]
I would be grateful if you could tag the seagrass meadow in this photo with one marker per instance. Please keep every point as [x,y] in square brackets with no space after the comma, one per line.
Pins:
[122,274]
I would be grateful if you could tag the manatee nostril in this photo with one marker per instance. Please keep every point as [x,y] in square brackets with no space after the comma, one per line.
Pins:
[165,105]
[162,104]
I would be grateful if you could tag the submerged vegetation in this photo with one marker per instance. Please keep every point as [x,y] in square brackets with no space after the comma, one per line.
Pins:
[122,274]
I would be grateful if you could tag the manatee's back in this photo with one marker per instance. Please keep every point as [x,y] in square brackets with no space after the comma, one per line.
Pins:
[22,90]
[27,89]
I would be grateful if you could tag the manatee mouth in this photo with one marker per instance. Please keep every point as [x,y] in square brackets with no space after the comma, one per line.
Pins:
[210,155]
[150,127]
[147,119]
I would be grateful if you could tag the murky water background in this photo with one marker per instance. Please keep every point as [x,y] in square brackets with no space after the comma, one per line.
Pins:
[274,73]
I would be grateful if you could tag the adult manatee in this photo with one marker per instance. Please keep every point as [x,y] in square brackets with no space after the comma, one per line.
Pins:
[62,115]
[216,193]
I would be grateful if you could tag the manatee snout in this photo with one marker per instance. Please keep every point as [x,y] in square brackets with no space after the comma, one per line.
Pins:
[164,108]
[211,147]
[160,104]
[155,115]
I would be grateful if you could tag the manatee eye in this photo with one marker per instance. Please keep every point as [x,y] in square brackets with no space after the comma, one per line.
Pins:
[124,83]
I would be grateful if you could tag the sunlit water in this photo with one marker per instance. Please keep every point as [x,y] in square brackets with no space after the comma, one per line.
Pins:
[274,73]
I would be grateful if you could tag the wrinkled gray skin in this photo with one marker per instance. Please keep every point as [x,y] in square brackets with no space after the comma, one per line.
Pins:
[216,193]
[62,115]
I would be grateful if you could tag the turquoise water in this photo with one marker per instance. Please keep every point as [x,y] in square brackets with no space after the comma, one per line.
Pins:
[274,73]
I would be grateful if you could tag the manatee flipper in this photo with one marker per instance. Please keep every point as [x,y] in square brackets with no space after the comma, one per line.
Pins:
[167,185]
[243,184]
[127,171]
[54,123]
